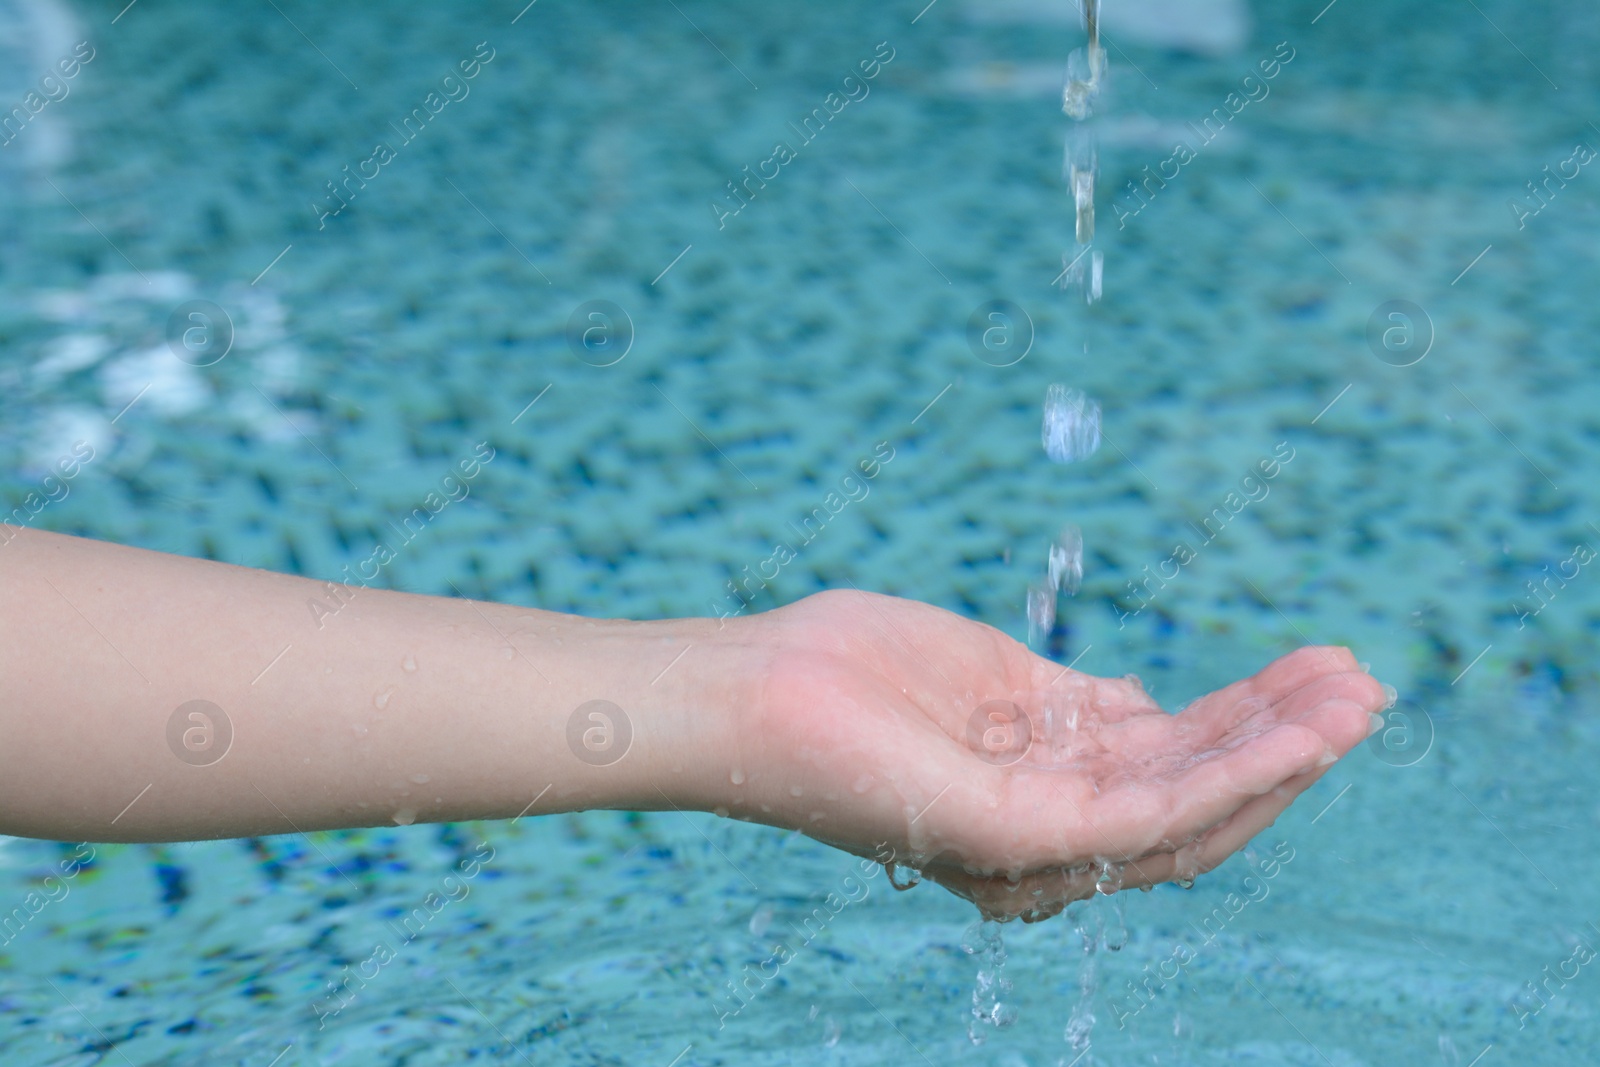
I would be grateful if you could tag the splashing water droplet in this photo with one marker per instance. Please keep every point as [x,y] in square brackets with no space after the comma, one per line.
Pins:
[1071,424]
[1082,182]
[1089,923]
[1116,935]
[1066,561]
[983,939]
[1084,68]
[1041,613]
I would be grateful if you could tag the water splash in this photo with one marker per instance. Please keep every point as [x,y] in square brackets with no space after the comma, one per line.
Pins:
[1116,937]
[1071,424]
[1085,68]
[1041,613]
[1066,561]
[1089,925]
[983,939]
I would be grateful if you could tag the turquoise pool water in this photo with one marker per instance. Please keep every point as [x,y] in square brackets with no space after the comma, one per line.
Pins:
[1431,901]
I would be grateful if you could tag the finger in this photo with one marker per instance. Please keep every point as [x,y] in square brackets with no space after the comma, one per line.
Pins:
[1216,844]
[1163,815]
[1315,705]
[1345,720]
[1255,817]
[1220,711]
[1141,813]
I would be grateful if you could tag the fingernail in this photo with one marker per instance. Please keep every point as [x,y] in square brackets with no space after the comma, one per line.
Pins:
[1328,756]
[1374,723]
[1391,695]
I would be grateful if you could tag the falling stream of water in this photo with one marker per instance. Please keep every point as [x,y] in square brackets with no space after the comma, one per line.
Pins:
[1071,433]
[1097,925]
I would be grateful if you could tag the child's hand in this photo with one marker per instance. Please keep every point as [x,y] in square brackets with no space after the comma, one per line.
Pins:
[869,735]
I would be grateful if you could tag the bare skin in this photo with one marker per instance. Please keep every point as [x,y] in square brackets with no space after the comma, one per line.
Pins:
[845,716]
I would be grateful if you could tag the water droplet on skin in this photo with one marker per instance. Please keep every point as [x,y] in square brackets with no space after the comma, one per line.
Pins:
[359,729]
[720,812]
[818,816]
[863,783]
[796,791]
[1183,883]
[737,777]
[409,663]
[420,779]
[405,817]
[380,699]
[910,876]
[1109,880]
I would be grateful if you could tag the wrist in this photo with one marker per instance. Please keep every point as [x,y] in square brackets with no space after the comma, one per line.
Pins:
[650,718]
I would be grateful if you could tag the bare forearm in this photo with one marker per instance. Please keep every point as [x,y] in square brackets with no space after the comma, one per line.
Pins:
[376,707]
